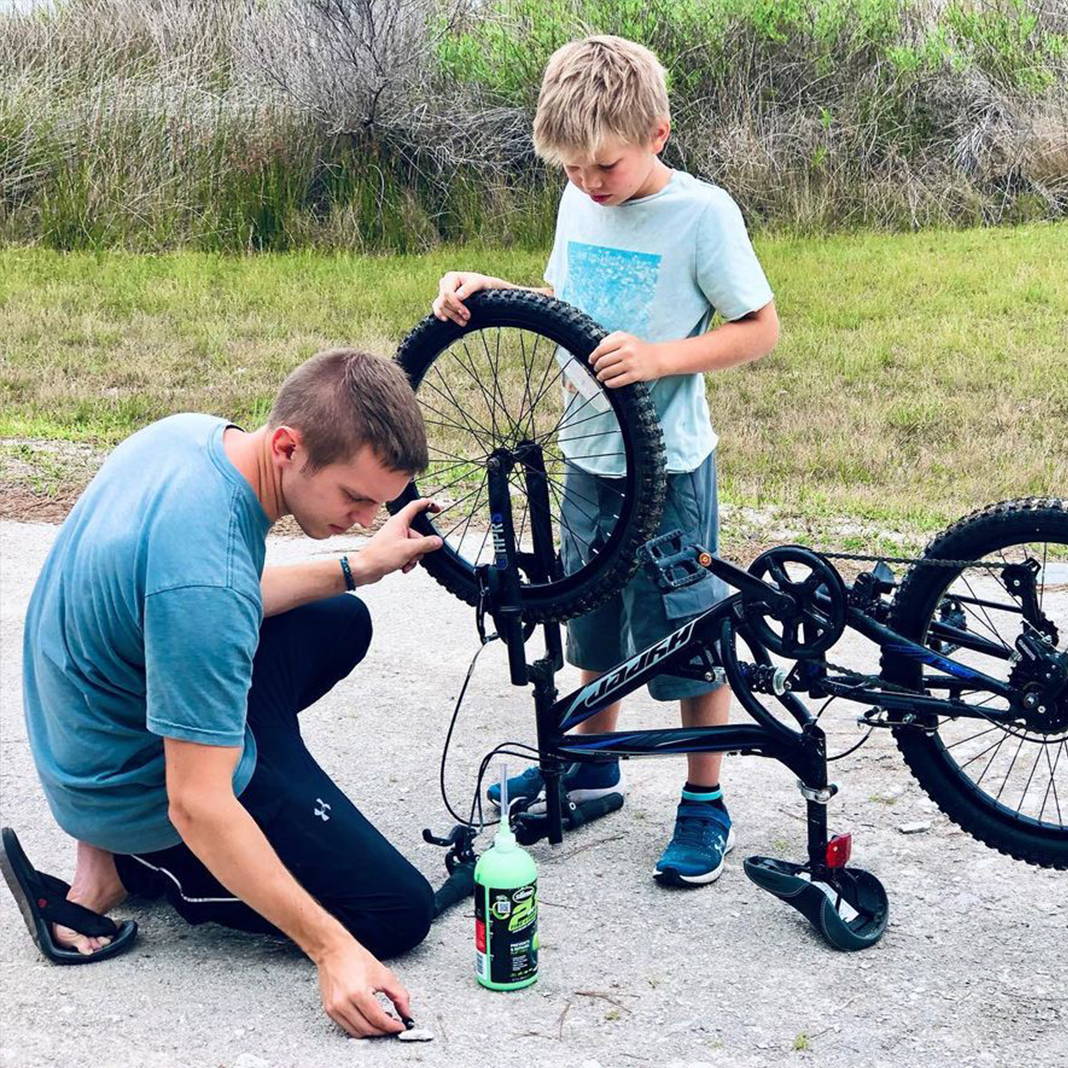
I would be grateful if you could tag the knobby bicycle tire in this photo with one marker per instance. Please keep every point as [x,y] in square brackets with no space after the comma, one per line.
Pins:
[987,531]
[562,596]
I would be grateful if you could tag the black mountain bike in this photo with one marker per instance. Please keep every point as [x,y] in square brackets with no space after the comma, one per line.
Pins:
[973,676]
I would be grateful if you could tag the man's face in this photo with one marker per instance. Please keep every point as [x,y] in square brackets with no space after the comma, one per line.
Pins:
[336,497]
[619,171]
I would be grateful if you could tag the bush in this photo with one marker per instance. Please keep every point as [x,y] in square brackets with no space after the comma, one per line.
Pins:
[396,125]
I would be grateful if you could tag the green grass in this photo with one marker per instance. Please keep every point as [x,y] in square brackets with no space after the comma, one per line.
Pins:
[918,376]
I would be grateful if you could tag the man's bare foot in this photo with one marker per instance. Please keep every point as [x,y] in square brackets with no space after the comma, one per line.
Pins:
[96,886]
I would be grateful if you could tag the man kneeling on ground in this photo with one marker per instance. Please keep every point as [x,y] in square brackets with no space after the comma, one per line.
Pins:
[165,669]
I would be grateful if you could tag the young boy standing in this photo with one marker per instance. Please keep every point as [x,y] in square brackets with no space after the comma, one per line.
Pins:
[650,253]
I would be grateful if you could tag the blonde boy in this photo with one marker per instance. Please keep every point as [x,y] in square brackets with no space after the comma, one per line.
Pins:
[650,253]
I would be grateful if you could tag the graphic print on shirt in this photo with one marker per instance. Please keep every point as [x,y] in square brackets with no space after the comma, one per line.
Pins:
[613,285]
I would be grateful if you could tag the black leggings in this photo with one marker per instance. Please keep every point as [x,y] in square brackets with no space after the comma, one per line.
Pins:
[317,832]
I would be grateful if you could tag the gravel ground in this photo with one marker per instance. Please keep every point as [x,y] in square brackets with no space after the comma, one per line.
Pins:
[970,972]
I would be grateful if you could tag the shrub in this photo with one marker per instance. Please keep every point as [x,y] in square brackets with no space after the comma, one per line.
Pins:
[397,124]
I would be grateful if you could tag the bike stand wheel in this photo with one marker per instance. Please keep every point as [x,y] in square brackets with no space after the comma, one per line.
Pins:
[850,910]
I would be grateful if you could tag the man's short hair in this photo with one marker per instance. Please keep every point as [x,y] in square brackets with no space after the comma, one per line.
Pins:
[343,399]
[597,88]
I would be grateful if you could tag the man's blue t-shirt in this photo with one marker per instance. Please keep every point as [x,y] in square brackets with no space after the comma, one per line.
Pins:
[143,625]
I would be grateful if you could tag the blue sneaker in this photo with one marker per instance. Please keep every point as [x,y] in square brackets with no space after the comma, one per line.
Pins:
[694,856]
[583,782]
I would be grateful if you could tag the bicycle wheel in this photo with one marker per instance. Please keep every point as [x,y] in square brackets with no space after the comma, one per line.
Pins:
[515,384]
[1005,783]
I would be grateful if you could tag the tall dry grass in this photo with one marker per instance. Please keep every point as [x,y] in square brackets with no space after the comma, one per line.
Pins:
[398,124]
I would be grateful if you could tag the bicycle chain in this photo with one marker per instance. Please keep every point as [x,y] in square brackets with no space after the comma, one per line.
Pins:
[919,560]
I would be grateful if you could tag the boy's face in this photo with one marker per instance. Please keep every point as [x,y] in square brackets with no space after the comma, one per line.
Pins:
[619,170]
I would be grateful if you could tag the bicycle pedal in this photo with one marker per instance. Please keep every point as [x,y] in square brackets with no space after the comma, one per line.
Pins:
[672,564]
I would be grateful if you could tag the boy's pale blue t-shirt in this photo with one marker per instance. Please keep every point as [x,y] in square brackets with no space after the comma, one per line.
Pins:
[143,625]
[657,267]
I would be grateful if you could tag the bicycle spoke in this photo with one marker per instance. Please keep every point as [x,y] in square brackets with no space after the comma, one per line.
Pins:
[447,425]
[561,424]
[571,492]
[494,368]
[454,504]
[495,374]
[473,375]
[972,737]
[465,427]
[471,515]
[1027,785]
[526,380]
[1012,764]
[474,461]
[605,480]
[1052,784]
[561,370]
[567,411]
[989,623]
[582,437]
[449,485]
[464,414]
[994,745]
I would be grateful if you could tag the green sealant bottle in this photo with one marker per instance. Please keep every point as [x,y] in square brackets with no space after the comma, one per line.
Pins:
[506,909]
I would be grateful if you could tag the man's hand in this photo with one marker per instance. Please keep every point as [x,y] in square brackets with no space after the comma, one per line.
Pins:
[395,546]
[455,287]
[349,976]
[219,830]
[622,359]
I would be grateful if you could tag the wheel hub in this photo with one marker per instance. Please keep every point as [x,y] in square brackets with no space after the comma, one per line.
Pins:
[1040,676]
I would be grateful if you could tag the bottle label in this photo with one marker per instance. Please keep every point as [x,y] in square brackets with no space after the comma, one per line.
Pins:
[506,933]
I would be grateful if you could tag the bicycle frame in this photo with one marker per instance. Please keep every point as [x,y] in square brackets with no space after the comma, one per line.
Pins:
[812,614]
[699,639]
[696,649]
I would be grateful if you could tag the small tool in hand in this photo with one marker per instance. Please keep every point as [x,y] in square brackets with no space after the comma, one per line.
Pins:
[412,1033]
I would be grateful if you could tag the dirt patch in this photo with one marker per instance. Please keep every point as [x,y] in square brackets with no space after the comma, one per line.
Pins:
[41,480]
[20,503]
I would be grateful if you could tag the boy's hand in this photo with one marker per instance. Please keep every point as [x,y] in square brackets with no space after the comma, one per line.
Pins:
[622,359]
[454,288]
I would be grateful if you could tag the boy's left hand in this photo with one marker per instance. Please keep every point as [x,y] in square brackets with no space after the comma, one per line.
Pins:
[622,359]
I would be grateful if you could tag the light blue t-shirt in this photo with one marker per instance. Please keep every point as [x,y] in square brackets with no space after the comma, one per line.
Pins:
[143,625]
[657,267]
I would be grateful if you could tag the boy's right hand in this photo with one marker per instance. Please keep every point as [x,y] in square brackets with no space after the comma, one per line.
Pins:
[454,288]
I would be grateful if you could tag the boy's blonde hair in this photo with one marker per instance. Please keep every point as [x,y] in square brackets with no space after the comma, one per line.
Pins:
[597,88]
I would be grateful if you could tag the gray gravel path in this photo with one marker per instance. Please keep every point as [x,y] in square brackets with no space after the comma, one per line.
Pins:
[971,971]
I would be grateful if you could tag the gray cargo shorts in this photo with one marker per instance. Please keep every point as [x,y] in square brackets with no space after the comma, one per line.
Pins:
[641,613]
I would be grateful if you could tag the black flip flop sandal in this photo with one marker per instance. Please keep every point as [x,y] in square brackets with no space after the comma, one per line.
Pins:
[42,900]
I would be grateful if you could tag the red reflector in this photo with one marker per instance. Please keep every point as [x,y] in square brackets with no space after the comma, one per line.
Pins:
[839,850]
